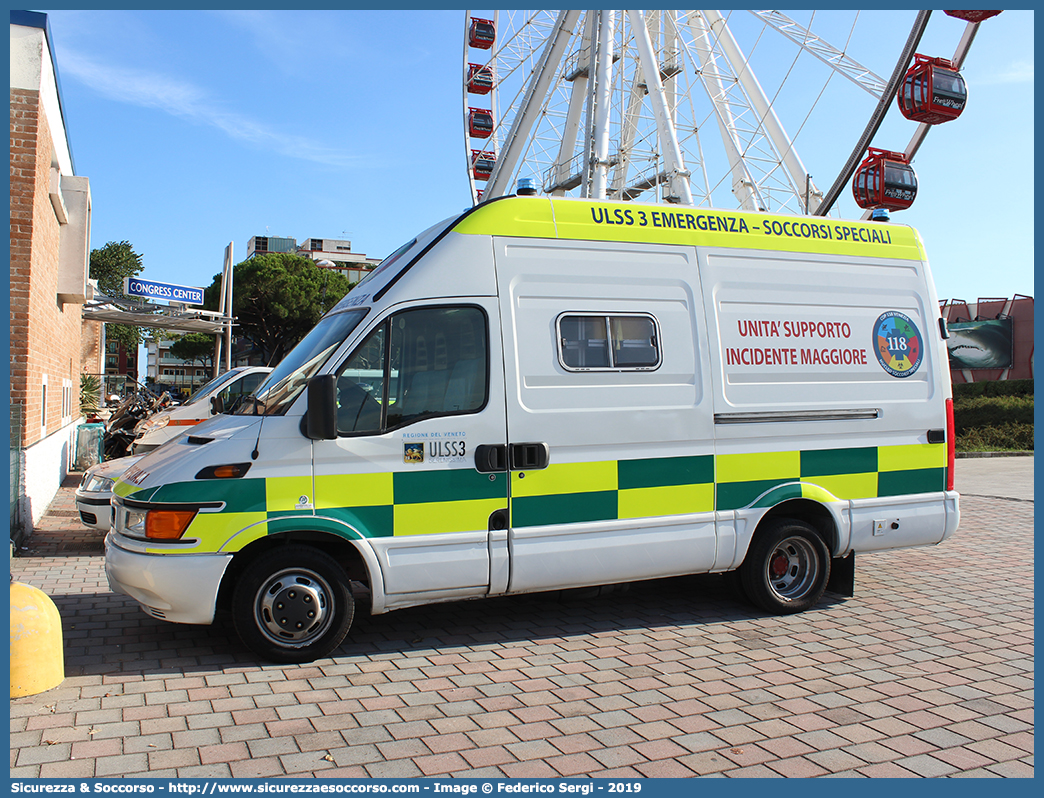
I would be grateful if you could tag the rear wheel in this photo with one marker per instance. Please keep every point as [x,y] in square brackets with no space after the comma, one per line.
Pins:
[787,567]
[293,604]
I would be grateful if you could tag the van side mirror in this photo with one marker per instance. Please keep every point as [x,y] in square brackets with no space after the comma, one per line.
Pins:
[217,406]
[321,418]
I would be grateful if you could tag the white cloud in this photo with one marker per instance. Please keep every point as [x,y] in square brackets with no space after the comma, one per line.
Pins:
[186,101]
[1015,72]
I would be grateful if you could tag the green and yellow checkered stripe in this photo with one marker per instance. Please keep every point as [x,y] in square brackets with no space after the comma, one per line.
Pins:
[566,493]
[377,505]
[765,479]
[461,500]
[608,490]
[412,502]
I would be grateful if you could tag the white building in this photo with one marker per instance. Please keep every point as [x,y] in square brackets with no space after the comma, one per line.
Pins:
[335,251]
[164,368]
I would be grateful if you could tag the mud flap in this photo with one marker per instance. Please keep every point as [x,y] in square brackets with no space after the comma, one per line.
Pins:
[842,575]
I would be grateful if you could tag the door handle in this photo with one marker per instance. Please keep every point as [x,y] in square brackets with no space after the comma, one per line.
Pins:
[490,458]
[529,456]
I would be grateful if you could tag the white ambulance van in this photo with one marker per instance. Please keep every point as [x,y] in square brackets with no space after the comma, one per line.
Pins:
[554,393]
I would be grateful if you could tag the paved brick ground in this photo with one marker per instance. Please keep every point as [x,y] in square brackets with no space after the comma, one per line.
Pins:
[928,671]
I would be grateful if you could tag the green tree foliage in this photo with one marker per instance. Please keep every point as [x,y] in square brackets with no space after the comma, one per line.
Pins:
[90,393]
[126,334]
[277,298]
[110,265]
[194,346]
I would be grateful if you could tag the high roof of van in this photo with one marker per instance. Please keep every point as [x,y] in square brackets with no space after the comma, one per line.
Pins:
[589,220]
[567,219]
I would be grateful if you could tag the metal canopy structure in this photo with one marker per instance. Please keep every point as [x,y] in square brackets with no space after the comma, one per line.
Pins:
[180,318]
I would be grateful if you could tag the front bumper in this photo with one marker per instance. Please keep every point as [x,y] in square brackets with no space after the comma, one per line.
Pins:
[181,588]
[95,510]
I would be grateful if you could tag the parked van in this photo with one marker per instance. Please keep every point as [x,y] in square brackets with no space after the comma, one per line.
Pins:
[554,393]
[227,388]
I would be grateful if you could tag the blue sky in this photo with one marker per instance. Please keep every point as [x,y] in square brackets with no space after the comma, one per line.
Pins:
[197,128]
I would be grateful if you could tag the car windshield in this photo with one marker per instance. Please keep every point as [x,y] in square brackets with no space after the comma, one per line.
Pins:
[275,395]
[209,387]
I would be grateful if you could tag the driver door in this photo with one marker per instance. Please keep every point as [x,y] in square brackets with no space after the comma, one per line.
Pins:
[416,398]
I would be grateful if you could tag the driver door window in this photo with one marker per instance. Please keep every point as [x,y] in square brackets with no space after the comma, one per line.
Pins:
[417,364]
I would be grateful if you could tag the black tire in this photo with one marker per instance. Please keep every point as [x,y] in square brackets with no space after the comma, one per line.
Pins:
[787,567]
[734,586]
[293,604]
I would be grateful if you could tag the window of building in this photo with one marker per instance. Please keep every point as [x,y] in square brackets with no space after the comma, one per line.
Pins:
[608,342]
[66,401]
[43,406]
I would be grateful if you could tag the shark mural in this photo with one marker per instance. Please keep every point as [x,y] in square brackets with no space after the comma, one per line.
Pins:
[980,344]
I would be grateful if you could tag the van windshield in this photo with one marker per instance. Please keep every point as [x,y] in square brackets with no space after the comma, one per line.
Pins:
[275,395]
[210,387]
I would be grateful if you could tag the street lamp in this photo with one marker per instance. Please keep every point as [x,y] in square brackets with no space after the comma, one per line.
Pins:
[324,264]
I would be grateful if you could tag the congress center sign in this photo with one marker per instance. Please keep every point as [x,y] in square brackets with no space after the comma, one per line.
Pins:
[148,289]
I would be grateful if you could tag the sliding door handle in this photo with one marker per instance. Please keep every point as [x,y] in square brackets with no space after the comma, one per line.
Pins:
[529,456]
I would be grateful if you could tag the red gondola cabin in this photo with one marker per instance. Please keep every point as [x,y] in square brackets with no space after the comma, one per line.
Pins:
[973,16]
[482,164]
[933,91]
[480,123]
[480,79]
[884,180]
[482,33]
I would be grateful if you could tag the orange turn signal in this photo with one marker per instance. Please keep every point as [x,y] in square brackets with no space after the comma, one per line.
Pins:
[167,524]
[229,471]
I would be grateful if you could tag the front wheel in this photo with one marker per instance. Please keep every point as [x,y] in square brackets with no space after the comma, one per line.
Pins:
[293,604]
[787,568]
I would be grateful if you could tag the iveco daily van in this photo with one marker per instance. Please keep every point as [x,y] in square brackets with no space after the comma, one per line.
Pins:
[550,393]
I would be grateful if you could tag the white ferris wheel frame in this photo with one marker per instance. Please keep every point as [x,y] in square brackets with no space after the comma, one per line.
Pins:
[729,82]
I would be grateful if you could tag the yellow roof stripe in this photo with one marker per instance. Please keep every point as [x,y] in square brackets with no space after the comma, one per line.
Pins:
[584,220]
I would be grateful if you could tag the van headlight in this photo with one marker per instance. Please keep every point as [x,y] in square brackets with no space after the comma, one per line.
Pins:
[95,484]
[155,423]
[134,523]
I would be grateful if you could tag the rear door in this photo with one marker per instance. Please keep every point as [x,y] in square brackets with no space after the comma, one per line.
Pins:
[832,388]
[609,425]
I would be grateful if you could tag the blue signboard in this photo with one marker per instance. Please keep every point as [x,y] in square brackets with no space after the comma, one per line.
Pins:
[132,286]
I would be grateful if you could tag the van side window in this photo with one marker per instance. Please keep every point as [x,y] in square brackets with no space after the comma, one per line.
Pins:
[616,342]
[418,364]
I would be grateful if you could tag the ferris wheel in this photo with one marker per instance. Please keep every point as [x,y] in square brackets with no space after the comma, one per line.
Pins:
[666,106]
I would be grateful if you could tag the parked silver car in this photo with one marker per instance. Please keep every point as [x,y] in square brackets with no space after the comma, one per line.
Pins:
[95,491]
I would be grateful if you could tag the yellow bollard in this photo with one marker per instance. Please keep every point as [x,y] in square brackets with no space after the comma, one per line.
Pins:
[37,661]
